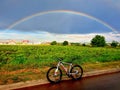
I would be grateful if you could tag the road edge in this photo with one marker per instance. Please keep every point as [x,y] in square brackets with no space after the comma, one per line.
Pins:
[41,82]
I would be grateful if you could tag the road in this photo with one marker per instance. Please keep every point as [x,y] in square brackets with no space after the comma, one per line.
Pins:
[103,82]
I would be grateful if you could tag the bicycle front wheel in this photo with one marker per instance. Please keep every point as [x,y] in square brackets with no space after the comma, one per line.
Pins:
[76,72]
[54,76]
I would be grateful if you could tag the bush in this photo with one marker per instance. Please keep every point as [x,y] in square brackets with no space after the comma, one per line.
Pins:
[83,44]
[98,41]
[114,44]
[53,43]
[65,43]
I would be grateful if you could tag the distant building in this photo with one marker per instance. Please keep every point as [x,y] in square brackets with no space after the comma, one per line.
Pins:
[25,41]
[2,42]
[12,42]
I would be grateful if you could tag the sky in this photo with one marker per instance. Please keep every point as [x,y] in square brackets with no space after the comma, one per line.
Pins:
[59,20]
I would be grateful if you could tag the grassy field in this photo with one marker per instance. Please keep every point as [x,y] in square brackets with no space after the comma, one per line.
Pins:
[26,62]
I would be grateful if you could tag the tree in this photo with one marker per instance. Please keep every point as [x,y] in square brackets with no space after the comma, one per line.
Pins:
[114,44]
[65,43]
[83,44]
[98,41]
[53,43]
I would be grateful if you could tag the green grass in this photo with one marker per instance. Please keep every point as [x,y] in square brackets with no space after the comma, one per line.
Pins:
[13,57]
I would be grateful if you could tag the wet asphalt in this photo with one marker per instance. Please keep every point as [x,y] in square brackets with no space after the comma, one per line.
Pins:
[102,82]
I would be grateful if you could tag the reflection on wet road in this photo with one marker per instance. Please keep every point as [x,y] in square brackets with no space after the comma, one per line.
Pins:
[103,82]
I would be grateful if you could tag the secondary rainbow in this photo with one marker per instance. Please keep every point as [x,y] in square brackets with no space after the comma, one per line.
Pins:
[61,11]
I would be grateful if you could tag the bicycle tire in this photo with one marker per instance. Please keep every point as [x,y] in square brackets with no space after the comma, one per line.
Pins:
[54,80]
[80,72]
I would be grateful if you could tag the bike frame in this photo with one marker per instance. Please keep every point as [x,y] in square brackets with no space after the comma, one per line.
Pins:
[67,70]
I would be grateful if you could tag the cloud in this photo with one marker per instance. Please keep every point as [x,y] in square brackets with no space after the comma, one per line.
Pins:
[46,37]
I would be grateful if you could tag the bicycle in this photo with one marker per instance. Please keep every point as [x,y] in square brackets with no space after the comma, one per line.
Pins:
[54,74]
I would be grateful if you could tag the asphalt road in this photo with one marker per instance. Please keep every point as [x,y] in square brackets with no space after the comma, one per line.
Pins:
[103,82]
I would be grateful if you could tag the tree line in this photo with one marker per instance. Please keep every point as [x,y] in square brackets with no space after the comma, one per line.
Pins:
[97,41]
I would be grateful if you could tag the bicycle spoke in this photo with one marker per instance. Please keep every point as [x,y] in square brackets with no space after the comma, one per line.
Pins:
[53,76]
[76,72]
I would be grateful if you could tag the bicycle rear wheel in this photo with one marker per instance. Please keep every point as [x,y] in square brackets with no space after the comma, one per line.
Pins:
[76,72]
[54,77]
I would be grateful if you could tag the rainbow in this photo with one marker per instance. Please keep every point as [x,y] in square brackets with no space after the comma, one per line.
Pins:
[61,11]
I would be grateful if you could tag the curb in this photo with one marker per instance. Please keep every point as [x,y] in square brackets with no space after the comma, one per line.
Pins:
[41,82]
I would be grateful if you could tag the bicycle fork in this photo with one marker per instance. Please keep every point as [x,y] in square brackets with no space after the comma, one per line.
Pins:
[56,70]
